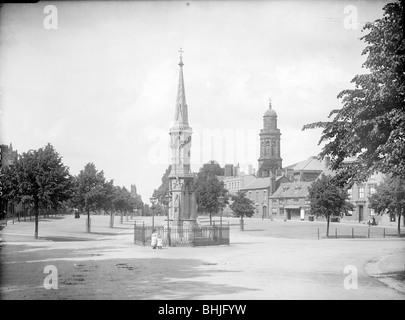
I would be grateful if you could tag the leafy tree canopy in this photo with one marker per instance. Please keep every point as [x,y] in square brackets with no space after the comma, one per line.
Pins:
[163,189]
[241,205]
[327,198]
[390,198]
[212,167]
[209,189]
[90,188]
[371,124]
[40,175]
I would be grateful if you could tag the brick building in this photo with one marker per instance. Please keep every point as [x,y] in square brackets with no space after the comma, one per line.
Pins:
[259,190]
[290,201]
[359,194]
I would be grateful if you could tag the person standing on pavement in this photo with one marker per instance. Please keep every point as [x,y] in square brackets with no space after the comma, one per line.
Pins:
[154,239]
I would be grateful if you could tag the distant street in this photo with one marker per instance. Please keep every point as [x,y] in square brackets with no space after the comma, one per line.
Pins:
[257,265]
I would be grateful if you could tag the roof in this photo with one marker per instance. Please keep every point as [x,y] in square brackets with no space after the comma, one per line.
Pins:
[258,183]
[281,177]
[270,113]
[311,164]
[327,172]
[296,189]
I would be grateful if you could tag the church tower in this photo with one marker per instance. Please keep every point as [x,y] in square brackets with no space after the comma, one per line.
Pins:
[270,159]
[183,206]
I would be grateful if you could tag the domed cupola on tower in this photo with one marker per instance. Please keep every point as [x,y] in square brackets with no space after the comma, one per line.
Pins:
[270,159]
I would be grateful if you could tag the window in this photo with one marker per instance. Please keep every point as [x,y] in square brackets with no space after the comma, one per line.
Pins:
[267,149]
[274,201]
[361,192]
[297,188]
[281,201]
[250,195]
[264,195]
[350,193]
[274,211]
[296,200]
[273,148]
[372,190]
[257,195]
[285,188]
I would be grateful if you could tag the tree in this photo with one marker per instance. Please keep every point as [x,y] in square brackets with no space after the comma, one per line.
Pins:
[146,211]
[163,189]
[90,190]
[208,191]
[41,176]
[107,201]
[390,198]
[122,200]
[371,124]
[212,167]
[242,206]
[136,202]
[9,187]
[328,199]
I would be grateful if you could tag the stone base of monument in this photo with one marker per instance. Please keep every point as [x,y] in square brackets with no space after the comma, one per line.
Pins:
[185,233]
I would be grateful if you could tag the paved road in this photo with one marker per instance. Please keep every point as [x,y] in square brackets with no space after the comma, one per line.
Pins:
[257,265]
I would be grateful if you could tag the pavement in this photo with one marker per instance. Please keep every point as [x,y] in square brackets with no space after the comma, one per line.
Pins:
[269,260]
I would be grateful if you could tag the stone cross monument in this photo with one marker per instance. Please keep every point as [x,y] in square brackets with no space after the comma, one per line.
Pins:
[183,209]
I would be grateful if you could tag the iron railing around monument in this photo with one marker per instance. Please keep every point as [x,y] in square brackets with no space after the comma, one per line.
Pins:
[183,236]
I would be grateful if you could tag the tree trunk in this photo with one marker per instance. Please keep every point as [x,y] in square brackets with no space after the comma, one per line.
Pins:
[88,221]
[399,226]
[210,219]
[327,227]
[6,211]
[111,219]
[241,223]
[36,212]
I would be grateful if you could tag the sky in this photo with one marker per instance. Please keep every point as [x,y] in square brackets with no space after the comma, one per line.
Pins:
[98,80]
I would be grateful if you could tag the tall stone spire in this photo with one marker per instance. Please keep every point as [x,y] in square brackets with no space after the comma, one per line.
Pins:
[181,179]
[181,114]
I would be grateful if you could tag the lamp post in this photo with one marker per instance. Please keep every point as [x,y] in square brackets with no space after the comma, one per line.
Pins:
[221,201]
[153,201]
[168,199]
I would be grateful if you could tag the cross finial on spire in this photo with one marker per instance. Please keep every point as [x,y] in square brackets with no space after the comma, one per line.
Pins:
[270,103]
[181,57]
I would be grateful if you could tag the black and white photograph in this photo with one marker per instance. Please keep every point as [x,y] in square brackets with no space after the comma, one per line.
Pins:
[219,152]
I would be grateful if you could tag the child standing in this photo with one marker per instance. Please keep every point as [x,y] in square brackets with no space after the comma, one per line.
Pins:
[159,242]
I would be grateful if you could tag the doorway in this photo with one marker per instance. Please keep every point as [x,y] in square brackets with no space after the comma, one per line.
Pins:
[361,213]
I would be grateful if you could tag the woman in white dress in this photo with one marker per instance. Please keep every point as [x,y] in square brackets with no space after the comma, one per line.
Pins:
[153,242]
